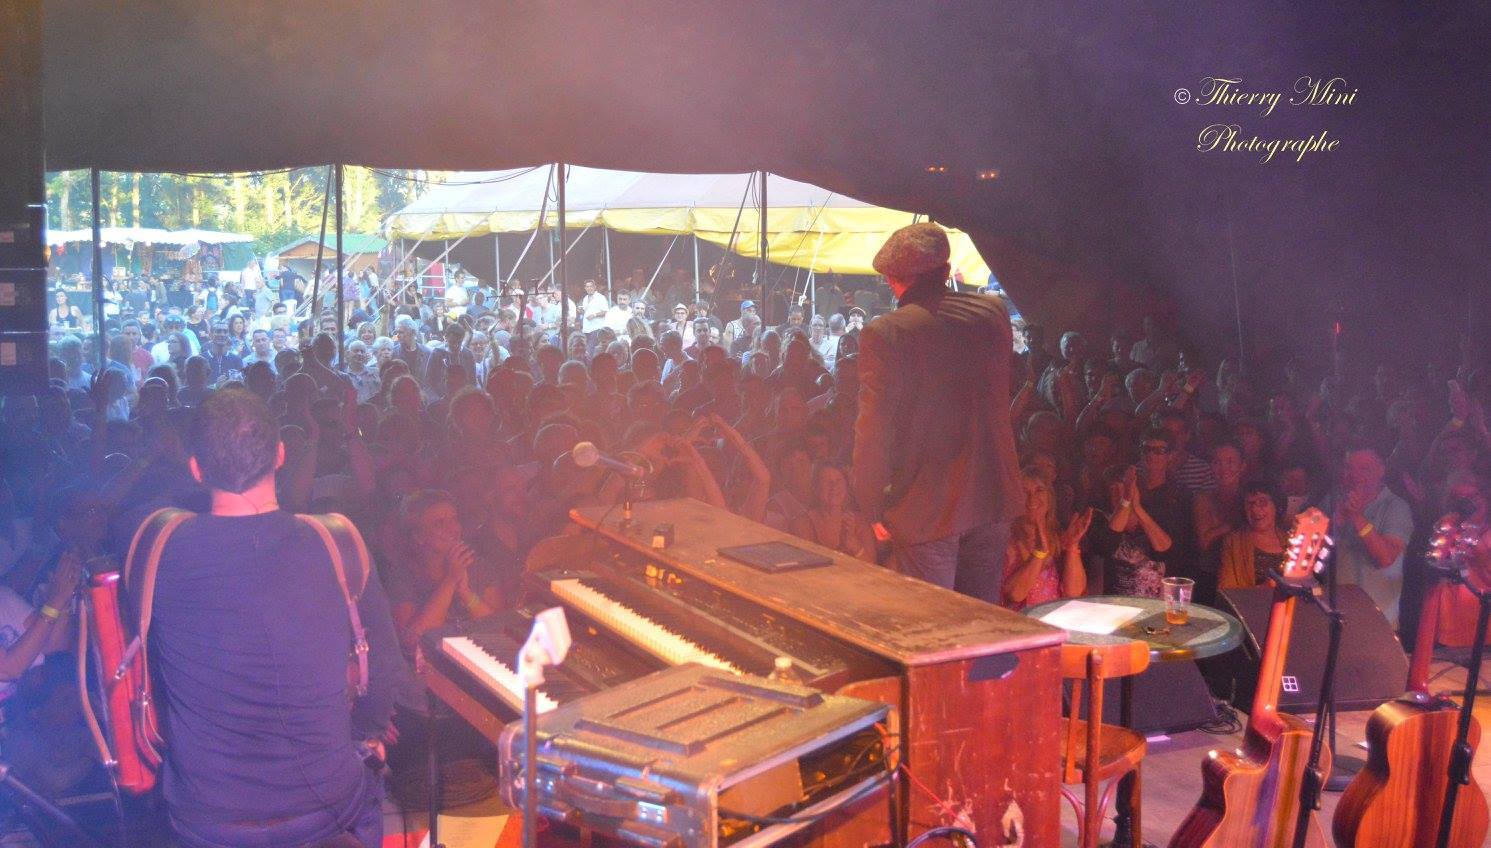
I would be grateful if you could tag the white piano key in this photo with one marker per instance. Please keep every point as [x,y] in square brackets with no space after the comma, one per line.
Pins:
[495,673]
[636,628]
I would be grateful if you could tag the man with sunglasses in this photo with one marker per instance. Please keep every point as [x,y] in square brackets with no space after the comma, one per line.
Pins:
[1170,506]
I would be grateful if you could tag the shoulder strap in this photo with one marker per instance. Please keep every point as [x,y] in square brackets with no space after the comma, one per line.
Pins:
[344,543]
[151,538]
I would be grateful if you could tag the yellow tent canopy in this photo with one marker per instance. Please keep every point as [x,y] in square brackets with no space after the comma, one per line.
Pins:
[806,226]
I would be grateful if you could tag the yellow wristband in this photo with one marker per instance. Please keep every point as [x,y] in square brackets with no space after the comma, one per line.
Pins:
[1366,530]
[50,612]
[1040,554]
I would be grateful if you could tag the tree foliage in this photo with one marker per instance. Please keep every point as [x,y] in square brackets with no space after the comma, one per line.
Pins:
[275,207]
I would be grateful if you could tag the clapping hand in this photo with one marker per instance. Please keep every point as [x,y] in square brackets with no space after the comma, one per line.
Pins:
[1076,528]
[458,564]
[65,579]
[1169,383]
[1354,509]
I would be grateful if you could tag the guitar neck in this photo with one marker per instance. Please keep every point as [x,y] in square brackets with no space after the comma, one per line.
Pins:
[1423,640]
[1263,719]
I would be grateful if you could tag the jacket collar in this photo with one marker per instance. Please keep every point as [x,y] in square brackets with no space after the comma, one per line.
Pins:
[918,294]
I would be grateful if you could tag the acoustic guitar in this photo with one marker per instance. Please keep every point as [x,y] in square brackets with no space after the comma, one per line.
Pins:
[1395,800]
[1250,796]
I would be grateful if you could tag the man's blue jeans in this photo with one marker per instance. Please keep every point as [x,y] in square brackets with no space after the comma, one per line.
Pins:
[362,821]
[971,562]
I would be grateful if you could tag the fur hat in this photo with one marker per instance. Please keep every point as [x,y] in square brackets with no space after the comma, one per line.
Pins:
[912,250]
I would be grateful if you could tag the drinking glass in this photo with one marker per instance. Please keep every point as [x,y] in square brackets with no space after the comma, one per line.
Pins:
[1177,594]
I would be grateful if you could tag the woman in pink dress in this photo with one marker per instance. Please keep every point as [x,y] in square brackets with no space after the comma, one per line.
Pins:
[1044,562]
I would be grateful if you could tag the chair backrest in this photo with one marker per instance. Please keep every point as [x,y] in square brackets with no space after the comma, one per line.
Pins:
[1091,665]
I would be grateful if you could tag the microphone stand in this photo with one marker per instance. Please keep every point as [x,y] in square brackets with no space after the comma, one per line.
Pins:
[546,645]
[1344,767]
[530,765]
[1462,754]
[1314,781]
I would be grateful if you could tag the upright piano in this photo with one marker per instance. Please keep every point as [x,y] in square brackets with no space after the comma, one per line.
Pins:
[974,689]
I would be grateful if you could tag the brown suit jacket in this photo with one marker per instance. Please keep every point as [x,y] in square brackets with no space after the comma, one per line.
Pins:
[934,452]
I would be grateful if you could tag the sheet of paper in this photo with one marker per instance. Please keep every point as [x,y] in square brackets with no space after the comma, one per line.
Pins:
[468,831]
[1088,617]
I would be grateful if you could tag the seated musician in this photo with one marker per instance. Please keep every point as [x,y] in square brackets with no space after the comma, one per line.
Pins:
[1249,553]
[250,646]
[439,579]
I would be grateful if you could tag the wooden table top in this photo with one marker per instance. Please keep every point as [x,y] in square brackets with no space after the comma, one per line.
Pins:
[1209,632]
[903,619]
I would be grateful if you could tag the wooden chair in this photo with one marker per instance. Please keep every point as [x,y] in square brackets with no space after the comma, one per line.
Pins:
[1094,752]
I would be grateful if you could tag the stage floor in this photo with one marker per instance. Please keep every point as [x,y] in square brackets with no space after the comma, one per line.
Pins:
[1172,782]
[1172,769]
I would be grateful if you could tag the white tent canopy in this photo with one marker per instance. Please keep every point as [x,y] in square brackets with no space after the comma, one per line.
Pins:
[807,226]
[146,235]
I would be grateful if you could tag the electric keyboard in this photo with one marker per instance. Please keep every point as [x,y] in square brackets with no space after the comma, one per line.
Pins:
[974,689]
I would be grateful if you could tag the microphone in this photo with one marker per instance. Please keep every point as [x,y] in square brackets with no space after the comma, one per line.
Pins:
[586,455]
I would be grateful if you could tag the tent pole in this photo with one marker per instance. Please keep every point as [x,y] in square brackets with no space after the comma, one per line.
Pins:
[696,268]
[606,237]
[341,305]
[98,273]
[563,278]
[813,274]
[311,305]
[761,260]
[659,270]
[497,261]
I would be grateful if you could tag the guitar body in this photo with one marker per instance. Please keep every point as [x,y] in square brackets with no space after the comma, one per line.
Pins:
[1251,799]
[1395,801]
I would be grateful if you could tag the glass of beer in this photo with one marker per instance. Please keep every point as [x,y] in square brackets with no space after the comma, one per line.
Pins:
[1177,594]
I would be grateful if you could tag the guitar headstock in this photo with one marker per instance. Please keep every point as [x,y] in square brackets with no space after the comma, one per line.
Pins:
[1308,546]
[1453,543]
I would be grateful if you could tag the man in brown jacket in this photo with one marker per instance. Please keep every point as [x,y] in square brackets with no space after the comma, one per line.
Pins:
[934,452]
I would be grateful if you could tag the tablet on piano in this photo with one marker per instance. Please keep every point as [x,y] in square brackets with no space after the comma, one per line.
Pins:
[774,557]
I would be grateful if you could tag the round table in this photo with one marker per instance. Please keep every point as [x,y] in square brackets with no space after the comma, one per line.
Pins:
[1208,633]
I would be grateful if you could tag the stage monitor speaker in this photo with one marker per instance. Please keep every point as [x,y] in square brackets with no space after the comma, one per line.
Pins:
[1169,697]
[23,300]
[1370,670]
[23,363]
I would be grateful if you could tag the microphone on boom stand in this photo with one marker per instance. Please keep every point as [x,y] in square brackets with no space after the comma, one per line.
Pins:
[634,474]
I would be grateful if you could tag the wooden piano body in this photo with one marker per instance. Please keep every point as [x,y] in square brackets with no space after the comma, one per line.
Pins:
[974,689]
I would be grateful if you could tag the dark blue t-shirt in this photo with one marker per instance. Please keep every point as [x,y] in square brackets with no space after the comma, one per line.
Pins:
[249,643]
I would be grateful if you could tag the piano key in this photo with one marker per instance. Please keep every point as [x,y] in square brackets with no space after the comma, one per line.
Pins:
[494,673]
[636,628]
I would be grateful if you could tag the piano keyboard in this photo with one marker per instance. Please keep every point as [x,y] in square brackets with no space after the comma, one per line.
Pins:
[496,674]
[638,629]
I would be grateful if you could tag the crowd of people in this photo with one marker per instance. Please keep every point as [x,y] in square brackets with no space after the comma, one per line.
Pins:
[443,430]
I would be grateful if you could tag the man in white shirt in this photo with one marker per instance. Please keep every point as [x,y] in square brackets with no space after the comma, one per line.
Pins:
[593,309]
[736,328]
[1371,526]
[619,314]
